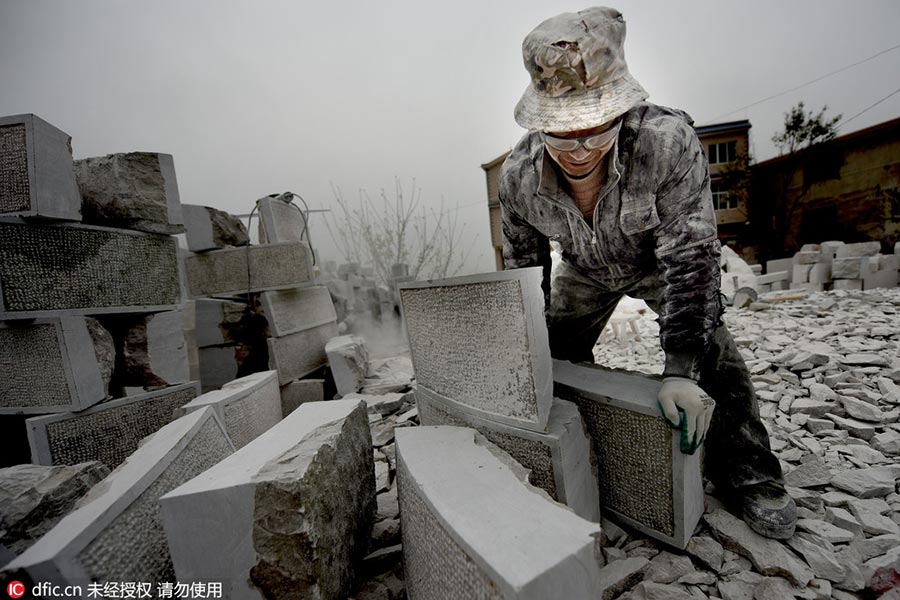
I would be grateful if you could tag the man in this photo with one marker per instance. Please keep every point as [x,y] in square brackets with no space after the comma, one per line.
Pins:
[622,187]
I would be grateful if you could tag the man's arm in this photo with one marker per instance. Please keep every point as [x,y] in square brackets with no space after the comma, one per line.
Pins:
[525,246]
[687,250]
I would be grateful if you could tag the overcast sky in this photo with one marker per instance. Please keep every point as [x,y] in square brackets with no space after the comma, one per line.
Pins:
[259,97]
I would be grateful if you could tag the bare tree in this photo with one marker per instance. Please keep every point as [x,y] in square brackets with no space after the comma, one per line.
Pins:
[385,231]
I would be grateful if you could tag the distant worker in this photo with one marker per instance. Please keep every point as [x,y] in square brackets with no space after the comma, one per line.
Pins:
[622,188]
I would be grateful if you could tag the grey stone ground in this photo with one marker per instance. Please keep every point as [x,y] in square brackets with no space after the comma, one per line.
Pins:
[826,369]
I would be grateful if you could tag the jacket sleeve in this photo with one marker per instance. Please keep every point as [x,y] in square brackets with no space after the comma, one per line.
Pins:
[523,245]
[687,251]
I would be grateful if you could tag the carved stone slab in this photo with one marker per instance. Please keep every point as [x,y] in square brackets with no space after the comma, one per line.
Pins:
[249,269]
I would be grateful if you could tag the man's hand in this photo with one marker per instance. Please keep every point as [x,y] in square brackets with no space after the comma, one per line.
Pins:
[687,407]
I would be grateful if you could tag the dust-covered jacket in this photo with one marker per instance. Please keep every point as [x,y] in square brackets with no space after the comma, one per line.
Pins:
[654,217]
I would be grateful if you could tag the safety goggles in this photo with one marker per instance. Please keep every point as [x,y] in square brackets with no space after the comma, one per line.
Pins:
[590,142]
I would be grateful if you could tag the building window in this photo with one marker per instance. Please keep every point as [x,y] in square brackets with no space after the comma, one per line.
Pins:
[722,152]
[722,200]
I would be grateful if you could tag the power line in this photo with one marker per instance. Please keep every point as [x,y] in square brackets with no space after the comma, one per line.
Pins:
[810,82]
[871,106]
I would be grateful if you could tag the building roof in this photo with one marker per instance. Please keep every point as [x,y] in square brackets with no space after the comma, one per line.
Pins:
[722,127]
[493,163]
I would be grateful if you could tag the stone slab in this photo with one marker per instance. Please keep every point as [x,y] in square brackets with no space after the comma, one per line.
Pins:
[769,278]
[299,354]
[301,391]
[53,270]
[152,349]
[116,534]
[280,221]
[233,271]
[108,431]
[207,228]
[248,406]
[133,190]
[645,480]
[291,311]
[858,249]
[472,528]
[287,516]
[53,365]
[560,461]
[218,365]
[481,342]
[36,175]
[781,264]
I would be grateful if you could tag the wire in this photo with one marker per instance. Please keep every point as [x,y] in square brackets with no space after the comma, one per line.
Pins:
[868,108]
[810,82]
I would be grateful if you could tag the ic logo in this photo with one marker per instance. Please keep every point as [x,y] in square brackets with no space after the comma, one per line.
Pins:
[15,589]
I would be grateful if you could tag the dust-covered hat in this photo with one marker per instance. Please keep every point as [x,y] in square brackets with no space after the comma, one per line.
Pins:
[579,78]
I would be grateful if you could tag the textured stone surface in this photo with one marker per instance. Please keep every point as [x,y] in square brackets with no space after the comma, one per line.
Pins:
[279,221]
[504,376]
[54,365]
[84,269]
[249,269]
[560,461]
[287,516]
[108,432]
[36,177]
[301,391]
[248,406]
[218,365]
[116,534]
[867,483]
[768,556]
[621,575]
[222,322]
[348,358]
[290,311]
[299,354]
[33,498]
[136,190]
[819,555]
[208,228]
[813,472]
[472,529]
[644,478]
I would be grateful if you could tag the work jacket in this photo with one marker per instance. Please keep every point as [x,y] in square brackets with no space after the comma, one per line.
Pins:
[654,221]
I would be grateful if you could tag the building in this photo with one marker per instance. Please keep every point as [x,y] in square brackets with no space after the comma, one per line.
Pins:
[722,142]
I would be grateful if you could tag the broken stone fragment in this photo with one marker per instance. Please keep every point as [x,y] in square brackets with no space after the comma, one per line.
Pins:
[34,498]
[349,361]
[819,555]
[136,190]
[152,350]
[812,473]
[207,228]
[867,483]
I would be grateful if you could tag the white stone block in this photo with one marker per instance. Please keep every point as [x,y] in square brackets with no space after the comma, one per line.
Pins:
[219,322]
[287,516]
[109,431]
[820,273]
[481,342]
[770,278]
[280,221]
[780,264]
[880,279]
[847,284]
[154,351]
[859,249]
[348,358]
[301,391]
[116,533]
[207,228]
[53,270]
[249,269]
[560,461]
[53,365]
[472,528]
[291,311]
[248,406]
[299,354]
[38,179]
[218,365]
[645,480]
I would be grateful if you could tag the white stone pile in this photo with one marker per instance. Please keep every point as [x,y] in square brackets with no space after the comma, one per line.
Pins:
[826,367]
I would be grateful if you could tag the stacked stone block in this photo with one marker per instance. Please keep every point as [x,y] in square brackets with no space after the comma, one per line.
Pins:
[645,481]
[88,310]
[116,533]
[286,516]
[499,384]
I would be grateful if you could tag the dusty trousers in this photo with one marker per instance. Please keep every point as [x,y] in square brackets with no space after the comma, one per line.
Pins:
[737,451]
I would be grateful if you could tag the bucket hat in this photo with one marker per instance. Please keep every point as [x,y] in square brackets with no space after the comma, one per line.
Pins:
[579,79]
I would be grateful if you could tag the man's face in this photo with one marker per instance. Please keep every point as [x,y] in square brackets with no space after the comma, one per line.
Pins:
[586,156]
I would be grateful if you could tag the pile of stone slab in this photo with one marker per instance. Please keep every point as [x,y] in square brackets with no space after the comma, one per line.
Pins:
[92,348]
[833,265]
[258,306]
